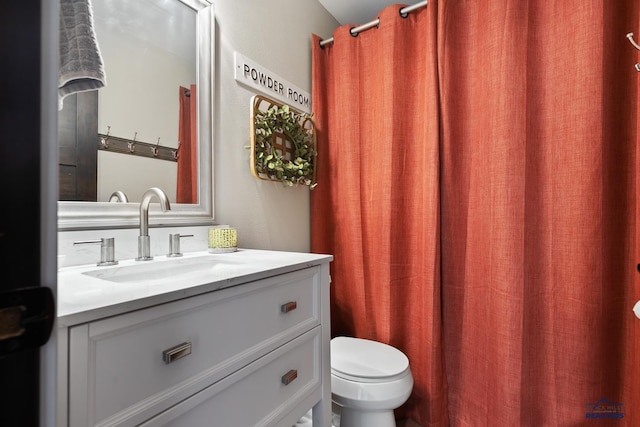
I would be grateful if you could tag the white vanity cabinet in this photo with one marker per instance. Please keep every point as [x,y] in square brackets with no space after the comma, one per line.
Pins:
[255,353]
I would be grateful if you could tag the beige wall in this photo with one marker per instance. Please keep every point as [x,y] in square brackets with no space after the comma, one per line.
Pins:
[275,34]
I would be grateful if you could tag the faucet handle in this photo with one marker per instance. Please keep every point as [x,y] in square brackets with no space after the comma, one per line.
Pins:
[107,250]
[174,244]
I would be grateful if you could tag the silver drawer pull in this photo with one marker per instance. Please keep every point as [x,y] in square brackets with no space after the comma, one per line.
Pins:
[289,377]
[177,352]
[289,306]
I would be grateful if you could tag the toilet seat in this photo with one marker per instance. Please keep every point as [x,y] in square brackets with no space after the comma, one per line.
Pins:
[366,361]
[369,380]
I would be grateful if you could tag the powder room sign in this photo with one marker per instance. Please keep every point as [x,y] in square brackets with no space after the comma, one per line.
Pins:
[257,77]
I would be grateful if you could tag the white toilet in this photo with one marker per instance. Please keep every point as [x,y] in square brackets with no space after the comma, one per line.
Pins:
[369,380]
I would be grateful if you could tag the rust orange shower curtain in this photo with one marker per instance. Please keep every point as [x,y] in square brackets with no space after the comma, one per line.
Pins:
[477,185]
[187,187]
[375,101]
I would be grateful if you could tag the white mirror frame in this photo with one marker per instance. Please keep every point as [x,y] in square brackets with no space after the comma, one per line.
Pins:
[100,215]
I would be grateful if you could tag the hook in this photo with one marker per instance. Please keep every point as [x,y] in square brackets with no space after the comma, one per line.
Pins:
[104,141]
[131,145]
[633,42]
[636,45]
[154,150]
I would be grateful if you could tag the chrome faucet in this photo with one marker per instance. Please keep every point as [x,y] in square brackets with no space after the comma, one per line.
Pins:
[144,247]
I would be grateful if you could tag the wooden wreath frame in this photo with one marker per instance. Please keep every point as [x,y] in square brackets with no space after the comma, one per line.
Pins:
[283,143]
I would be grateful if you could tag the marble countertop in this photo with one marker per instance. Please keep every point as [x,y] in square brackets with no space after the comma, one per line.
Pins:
[88,292]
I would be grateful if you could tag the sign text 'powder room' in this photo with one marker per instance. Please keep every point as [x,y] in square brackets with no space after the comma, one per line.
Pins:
[255,76]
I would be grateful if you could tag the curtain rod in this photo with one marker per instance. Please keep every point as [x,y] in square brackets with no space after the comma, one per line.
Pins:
[354,31]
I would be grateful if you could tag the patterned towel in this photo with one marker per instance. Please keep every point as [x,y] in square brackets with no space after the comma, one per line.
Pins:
[81,66]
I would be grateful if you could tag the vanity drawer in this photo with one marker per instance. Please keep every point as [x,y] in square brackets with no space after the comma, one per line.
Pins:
[262,394]
[130,379]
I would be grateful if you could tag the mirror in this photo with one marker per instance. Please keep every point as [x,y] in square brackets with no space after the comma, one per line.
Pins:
[135,106]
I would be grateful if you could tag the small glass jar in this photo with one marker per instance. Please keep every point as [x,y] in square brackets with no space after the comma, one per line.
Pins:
[223,239]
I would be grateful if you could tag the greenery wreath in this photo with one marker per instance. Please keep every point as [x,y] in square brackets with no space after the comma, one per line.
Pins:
[292,166]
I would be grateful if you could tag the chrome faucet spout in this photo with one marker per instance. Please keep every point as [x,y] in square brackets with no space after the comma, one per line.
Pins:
[144,246]
[144,207]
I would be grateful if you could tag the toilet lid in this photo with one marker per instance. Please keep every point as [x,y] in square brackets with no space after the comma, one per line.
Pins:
[365,360]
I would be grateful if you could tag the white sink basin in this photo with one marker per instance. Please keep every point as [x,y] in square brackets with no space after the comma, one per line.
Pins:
[87,292]
[170,269]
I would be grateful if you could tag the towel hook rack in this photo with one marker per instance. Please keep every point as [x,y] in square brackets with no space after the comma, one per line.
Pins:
[136,147]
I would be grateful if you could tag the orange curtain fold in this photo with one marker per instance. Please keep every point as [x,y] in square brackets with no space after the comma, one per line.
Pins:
[477,178]
[538,207]
[375,99]
[187,188]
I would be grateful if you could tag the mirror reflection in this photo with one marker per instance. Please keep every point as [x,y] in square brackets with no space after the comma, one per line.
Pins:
[140,130]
